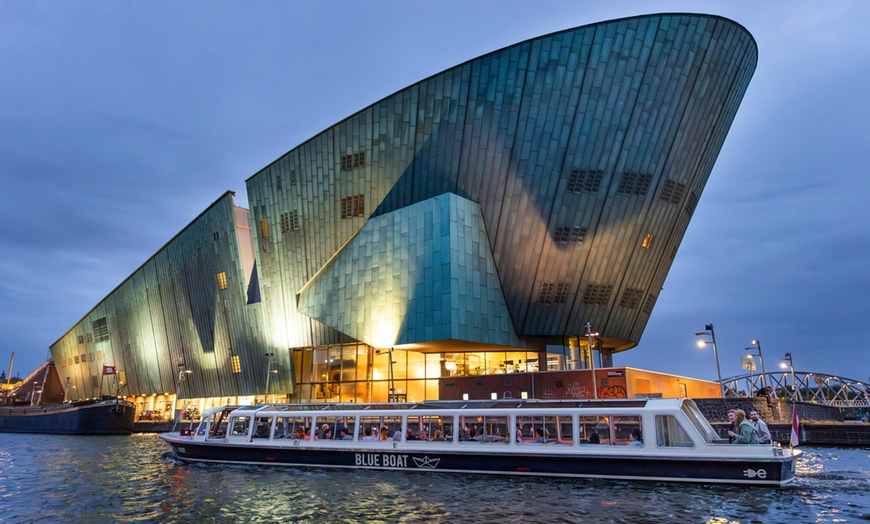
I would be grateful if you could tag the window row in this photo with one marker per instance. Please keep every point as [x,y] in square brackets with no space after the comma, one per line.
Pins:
[558,430]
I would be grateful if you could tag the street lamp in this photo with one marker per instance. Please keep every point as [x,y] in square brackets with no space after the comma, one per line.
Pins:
[269,372]
[756,344]
[701,343]
[790,366]
[181,373]
[589,335]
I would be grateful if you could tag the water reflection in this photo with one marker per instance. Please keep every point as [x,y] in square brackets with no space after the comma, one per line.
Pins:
[119,479]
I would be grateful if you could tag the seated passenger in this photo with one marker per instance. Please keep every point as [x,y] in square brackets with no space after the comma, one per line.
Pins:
[342,434]
[745,432]
[300,433]
[421,435]
[635,438]
[594,439]
[410,435]
[327,434]
[465,434]
[371,435]
[438,436]
[385,433]
[519,435]
[539,435]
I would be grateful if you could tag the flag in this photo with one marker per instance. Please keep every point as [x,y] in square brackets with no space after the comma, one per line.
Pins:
[108,370]
[794,427]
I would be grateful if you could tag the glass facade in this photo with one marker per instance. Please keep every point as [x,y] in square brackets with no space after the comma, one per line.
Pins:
[360,373]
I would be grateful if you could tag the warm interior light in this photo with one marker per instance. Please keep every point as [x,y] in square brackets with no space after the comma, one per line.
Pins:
[493,396]
[450,366]
[465,396]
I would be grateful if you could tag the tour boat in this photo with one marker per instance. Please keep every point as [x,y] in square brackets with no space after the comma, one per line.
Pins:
[633,439]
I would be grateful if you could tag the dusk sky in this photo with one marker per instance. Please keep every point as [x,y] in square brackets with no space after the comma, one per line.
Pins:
[120,122]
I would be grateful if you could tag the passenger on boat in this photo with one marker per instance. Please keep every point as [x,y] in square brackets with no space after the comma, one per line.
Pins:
[342,434]
[421,435]
[594,439]
[300,433]
[733,427]
[410,435]
[745,432]
[635,438]
[385,433]
[439,436]
[761,428]
[371,435]
[466,434]
[327,434]
[519,435]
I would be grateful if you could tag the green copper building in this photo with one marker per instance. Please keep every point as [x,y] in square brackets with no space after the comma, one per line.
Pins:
[493,218]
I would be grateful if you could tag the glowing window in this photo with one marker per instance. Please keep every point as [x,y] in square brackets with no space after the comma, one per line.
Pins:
[222,280]
[648,240]
[264,229]
[236,364]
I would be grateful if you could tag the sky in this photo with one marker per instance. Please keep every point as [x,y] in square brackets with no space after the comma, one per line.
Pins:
[120,122]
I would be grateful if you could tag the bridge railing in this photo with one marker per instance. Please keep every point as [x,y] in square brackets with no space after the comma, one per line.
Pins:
[819,388]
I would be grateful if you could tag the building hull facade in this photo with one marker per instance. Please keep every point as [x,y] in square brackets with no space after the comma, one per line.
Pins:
[527,203]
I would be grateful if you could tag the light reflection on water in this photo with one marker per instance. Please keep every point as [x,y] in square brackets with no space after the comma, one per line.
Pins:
[51,478]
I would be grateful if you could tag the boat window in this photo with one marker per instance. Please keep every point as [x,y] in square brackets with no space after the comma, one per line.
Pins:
[697,419]
[623,428]
[335,427]
[545,429]
[262,427]
[484,429]
[594,429]
[376,428]
[291,427]
[430,428]
[669,433]
[240,425]
[218,425]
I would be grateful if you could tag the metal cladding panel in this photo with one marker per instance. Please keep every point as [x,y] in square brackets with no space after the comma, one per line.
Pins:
[172,310]
[418,274]
[579,131]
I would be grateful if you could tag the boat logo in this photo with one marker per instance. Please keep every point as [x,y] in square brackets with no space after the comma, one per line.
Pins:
[752,473]
[426,462]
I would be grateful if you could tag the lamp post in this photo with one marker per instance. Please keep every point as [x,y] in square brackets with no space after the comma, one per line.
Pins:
[589,335]
[701,343]
[756,344]
[268,374]
[181,373]
[392,394]
[787,358]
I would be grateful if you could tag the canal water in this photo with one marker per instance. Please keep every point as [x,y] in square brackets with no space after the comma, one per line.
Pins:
[53,478]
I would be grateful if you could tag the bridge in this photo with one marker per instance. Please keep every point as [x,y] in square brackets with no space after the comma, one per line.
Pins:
[800,386]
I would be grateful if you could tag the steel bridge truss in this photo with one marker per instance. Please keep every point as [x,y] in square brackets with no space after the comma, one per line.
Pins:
[819,388]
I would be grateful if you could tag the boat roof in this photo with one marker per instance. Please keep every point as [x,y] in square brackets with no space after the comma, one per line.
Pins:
[638,403]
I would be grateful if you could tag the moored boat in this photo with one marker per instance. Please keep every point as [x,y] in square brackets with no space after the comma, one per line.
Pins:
[106,416]
[639,439]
